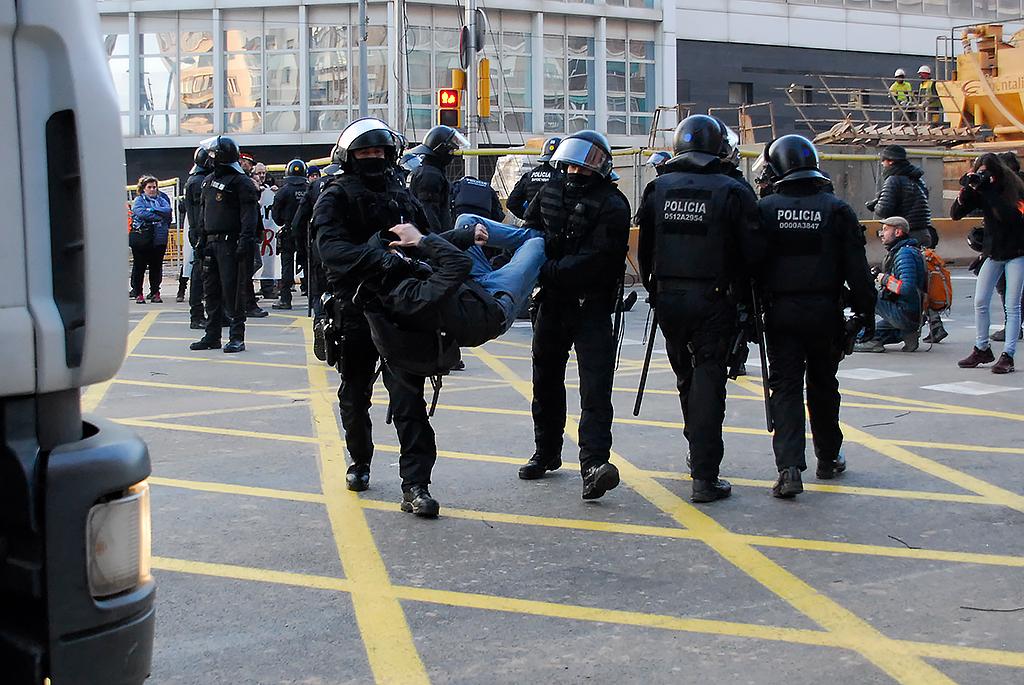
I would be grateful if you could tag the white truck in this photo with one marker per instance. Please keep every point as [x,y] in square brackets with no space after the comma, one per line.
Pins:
[76,594]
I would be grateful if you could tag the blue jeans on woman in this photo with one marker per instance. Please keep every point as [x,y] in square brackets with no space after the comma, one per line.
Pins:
[990,272]
[516,279]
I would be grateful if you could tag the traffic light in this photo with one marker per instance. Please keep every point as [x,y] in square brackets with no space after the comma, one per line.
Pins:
[449,107]
[483,89]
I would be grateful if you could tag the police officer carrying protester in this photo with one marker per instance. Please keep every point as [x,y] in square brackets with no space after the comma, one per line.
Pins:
[585,220]
[530,183]
[815,249]
[699,242]
[428,181]
[366,200]
[286,203]
[228,222]
[192,200]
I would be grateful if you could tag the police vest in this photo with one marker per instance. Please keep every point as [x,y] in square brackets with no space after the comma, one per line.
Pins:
[805,251]
[568,220]
[374,211]
[221,204]
[691,235]
[421,353]
[538,177]
[472,196]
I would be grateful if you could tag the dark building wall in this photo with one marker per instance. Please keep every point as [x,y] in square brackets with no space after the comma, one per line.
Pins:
[705,70]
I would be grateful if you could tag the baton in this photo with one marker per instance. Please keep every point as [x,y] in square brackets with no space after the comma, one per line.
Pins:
[759,331]
[647,362]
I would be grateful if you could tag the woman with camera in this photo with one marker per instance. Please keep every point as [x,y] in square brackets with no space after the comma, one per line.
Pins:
[151,222]
[999,193]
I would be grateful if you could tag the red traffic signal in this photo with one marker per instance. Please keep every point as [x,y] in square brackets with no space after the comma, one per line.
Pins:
[449,98]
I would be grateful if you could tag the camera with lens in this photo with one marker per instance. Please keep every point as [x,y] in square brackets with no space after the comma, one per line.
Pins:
[975,179]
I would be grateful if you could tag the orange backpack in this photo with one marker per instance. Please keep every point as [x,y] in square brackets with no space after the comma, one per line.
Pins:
[938,292]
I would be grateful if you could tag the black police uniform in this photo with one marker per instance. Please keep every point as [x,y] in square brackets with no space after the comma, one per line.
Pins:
[527,187]
[473,196]
[347,214]
[316,280]
[228,226]
[586,233]
[192,200]
[430,186]
[286,204]
[698,241]
[815,246]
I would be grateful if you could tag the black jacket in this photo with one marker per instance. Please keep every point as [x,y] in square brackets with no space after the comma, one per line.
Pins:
[192,200]
[287,200]
[585,256]
[1004,225]
[300,222]
[904,193]
[527,187]
[230,206]
[430,186]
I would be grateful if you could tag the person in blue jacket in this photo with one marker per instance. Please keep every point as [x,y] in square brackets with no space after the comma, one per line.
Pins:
[151,223]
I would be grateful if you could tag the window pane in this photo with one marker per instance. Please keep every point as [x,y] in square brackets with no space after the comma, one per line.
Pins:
[444,62]
[115,44]
[196,78]
[554,46]
[616,48]
[518,77]
[640,126]
[156,91]
[283,79]
[160,43]
[376,77]
[281,38]
[327,37]
[641,49]
[554,123]
[580,46]
[328,120]
[617,86]
[446,40]
[196,41]
[617,124]
[518,121]
[514,43]
[961,8]
[281,122]
[328,78]
[196,122]
[581,84]
[243,37]
[641,87]
[580,122]
[156,124]
[419,119]
[243,83]
[242,122]
[554,86]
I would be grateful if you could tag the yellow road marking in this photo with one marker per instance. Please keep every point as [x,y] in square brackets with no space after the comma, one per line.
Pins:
[853,631]
[299,394]
[245,490]
[248,325]
[94,394]
[957,447]
[171,357]
[248,340]
[214,412]
[209,430]
[382,623]
[528,607]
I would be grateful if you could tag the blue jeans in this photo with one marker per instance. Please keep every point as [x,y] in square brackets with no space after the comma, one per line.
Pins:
[895,322]
[516,279]
[990,272]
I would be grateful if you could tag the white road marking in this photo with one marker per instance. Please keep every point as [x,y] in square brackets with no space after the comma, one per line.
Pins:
[969,388]
[862,374]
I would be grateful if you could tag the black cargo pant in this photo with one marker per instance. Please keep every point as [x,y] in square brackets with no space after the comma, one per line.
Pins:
[409,410]
[287,251]
[559,325]
[804,334]
[224,274]
[195,286]
[698,324]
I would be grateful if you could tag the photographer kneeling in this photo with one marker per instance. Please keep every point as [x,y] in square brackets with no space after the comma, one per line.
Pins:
[999,194]
[900,285]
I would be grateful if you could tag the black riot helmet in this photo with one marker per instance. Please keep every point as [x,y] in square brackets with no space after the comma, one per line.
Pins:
[588,149]
[223,151]
[794,158]
[296,167]
[202,161]
[548,149]
[362,134]
[730,151]
[701,136]
[441,141]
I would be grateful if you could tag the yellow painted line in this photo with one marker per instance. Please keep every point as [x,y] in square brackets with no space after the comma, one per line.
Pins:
[245,490]
[170,357]
[992,492]
[94,394]
[186,322]
[215,412]
[386,635]
[950,408]
[511,343]
[247,340]
[957,447]
[211,430]
[570,612]
[854,632]
[298,394]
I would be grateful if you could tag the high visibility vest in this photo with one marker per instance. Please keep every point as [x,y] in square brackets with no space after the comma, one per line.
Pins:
[901,91]
[926,94]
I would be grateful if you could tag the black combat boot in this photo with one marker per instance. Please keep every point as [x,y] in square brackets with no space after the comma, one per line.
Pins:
[205,344]
[827,470]
[599,479]
[358,477]
[234,346]
[710,490]
[538,465]
[198,324]
[789,484]
[417,500]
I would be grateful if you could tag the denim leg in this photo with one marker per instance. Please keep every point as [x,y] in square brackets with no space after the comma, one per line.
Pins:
[894,322]
[517,278]
[990,272]
[1014,289]
[480,265]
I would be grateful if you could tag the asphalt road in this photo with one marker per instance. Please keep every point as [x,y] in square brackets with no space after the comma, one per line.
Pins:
[910,568]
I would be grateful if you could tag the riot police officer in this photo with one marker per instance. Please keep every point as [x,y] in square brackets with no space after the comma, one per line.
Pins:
[316,279]
[227,229]
[286,203]
[699,240]
[428,181]
[815,247]
[529,184]
[367,199]
[472,196]
[585,219]
[192,199]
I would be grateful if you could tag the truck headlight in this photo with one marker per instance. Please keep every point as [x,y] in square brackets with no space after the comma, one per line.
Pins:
[118,542]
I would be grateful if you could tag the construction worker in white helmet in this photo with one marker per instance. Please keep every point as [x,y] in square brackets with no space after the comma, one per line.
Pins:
[901,90]
[927,97]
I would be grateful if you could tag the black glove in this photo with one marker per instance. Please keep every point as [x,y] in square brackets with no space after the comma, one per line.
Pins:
[870,204]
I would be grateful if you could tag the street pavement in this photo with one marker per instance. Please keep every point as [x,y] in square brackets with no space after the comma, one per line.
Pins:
[909,568]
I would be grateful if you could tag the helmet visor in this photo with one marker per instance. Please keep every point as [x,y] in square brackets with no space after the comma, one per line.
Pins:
[459,141]
[732,139]
[362,126]
[582,153]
